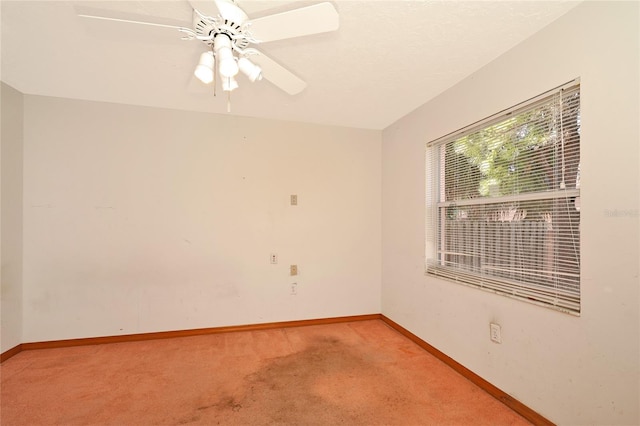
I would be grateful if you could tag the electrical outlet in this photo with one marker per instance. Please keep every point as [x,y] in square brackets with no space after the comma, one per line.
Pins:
[293,270]
[273,258]
[496,333]
[294,289]
[294,200]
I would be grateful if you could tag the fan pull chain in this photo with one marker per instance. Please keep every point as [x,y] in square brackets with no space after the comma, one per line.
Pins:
[215,78]
[229,101]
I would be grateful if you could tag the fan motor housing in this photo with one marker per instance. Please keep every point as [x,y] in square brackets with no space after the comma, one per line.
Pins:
[207,26]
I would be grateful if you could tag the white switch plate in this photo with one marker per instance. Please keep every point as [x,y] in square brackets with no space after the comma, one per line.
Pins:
[273,258]
[496,332]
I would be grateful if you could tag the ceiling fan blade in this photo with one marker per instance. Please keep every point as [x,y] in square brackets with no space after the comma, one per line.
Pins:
[128,18]
[127,21]
[278,75]
[319,18]
[227,9]
[231,11]
[206,7]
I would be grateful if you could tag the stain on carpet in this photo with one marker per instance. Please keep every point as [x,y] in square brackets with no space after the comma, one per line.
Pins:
[329,382]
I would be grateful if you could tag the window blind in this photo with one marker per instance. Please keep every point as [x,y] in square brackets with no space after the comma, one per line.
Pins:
[503,202]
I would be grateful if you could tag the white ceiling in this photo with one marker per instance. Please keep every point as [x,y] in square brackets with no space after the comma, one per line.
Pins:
[387,58]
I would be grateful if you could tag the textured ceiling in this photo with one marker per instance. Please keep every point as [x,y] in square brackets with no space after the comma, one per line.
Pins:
[387,58]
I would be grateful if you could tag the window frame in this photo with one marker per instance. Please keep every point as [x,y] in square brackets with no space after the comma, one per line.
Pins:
[436,206]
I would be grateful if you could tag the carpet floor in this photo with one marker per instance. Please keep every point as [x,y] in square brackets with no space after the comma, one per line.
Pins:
[355,373]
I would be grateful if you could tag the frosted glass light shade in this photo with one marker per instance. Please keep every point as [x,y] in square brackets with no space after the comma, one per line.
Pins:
[251,70]
[204,70]
[227,65]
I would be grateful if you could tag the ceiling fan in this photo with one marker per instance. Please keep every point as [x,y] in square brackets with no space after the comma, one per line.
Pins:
[228,34]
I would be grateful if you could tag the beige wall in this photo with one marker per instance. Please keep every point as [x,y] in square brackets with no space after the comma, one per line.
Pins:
[574,370]
[11,228]
[142,219]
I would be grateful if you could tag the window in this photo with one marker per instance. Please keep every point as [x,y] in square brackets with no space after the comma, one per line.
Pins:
[503,202]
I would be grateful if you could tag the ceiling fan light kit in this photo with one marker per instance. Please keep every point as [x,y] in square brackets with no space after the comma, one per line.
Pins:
[228,32]
[204,70]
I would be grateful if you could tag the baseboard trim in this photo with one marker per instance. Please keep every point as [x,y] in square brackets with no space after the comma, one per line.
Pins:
[11,352]
[492,390]
[179,333]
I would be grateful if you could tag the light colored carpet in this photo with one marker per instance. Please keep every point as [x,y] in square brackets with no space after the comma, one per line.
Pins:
[356,373]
